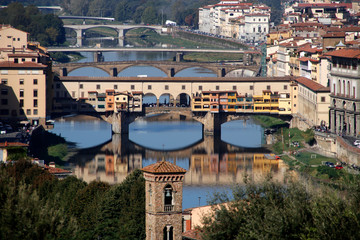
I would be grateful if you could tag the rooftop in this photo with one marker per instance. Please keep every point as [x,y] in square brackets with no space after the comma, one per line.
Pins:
[163,167]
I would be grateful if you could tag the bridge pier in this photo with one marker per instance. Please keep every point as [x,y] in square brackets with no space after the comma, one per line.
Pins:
[221,72]
[79,33]
[120,122]
[171,72]
[179,57]
[212,124]
[63,72]
[114,72]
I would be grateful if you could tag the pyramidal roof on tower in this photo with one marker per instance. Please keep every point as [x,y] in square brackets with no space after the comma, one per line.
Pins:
[163,167]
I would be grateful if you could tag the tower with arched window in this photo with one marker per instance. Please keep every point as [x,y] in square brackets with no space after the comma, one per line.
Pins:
[163,204]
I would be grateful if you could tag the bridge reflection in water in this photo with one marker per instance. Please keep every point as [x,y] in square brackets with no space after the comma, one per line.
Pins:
[208,162]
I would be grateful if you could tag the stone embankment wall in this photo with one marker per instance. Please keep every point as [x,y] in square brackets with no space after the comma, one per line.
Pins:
[334,145]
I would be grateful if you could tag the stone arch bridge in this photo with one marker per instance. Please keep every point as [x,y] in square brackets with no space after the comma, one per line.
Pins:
[168,67]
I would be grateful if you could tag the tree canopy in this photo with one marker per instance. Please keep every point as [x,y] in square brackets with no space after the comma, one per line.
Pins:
[45,28]
[292,210]
[35,205]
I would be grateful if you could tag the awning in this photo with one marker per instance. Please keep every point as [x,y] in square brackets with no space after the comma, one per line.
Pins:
[24,122]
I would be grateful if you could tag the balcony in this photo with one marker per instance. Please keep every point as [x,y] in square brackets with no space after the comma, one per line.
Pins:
[168,208]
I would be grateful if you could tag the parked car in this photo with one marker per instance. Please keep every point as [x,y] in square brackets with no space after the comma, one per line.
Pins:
[338,167]
[357,142]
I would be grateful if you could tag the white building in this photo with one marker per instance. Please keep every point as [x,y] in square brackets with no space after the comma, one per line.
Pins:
[256,28]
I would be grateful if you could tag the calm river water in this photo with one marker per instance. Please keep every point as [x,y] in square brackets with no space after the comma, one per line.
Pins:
[213,165]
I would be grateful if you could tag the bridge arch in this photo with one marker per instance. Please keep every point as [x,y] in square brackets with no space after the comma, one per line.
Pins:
[183,100]
[182,71]
[90,68]
[139,70]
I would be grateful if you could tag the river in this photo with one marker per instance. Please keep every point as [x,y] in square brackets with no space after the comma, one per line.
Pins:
[213,165]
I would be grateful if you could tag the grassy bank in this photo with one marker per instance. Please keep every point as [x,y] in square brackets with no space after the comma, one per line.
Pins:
[268,121]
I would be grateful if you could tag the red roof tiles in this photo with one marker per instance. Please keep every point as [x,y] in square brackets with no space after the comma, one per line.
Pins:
[163,167]
[345,53]
[312,85]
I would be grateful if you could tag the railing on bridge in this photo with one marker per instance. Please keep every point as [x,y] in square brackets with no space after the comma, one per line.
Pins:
[166,109]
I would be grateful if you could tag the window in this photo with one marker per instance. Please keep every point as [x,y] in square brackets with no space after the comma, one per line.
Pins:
[16,60]
[35,112]
[23,59]
[33,59]
[217,87]
[21,92]
[28,111]
[200,88]
[97,86]
[21,112]
[35,102]
[57,85]
[21,81]
[21,103]
[4,81]
[183,87]
[234,87]
[132,87]
[4,72]
[4,101]
[322,99]
[268,87]
[251,87]
[73,94]
[35,93]
[166,87]
[149,87]
[294,96]
[4,92]
[285,87]
[115,86]
[81,86]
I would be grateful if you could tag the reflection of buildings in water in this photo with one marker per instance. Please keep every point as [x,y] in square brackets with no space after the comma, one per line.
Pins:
[232,168]
[113,161]
[203,169]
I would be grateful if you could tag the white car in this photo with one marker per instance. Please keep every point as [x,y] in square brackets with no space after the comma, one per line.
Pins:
[357,143]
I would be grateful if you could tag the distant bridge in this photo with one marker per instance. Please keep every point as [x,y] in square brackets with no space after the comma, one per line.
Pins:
[169,67]
[120,29]
[87,17]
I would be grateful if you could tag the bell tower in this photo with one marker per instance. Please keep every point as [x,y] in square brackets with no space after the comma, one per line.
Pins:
[163,201]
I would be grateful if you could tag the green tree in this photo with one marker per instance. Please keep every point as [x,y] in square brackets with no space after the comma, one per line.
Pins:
[149,16]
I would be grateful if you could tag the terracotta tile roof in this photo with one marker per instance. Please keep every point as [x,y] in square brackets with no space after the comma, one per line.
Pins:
[334,35]
[12,144]
[21,65]
[312,85]
[54,170]
[192,234]
[345,53]
[163,167]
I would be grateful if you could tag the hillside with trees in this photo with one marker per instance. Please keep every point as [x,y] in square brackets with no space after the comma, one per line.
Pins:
[45,28]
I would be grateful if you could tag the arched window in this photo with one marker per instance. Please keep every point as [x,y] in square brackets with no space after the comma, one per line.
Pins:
[343,89]
[348,89]
[168,198]
[168,232]
[259,29]
[339,87]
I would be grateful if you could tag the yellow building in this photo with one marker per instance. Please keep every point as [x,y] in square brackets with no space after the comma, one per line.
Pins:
[26,79]
[266,103]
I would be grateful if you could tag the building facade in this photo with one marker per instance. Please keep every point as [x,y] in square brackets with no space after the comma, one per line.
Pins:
[26,78]
[345,92]
[163,200]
